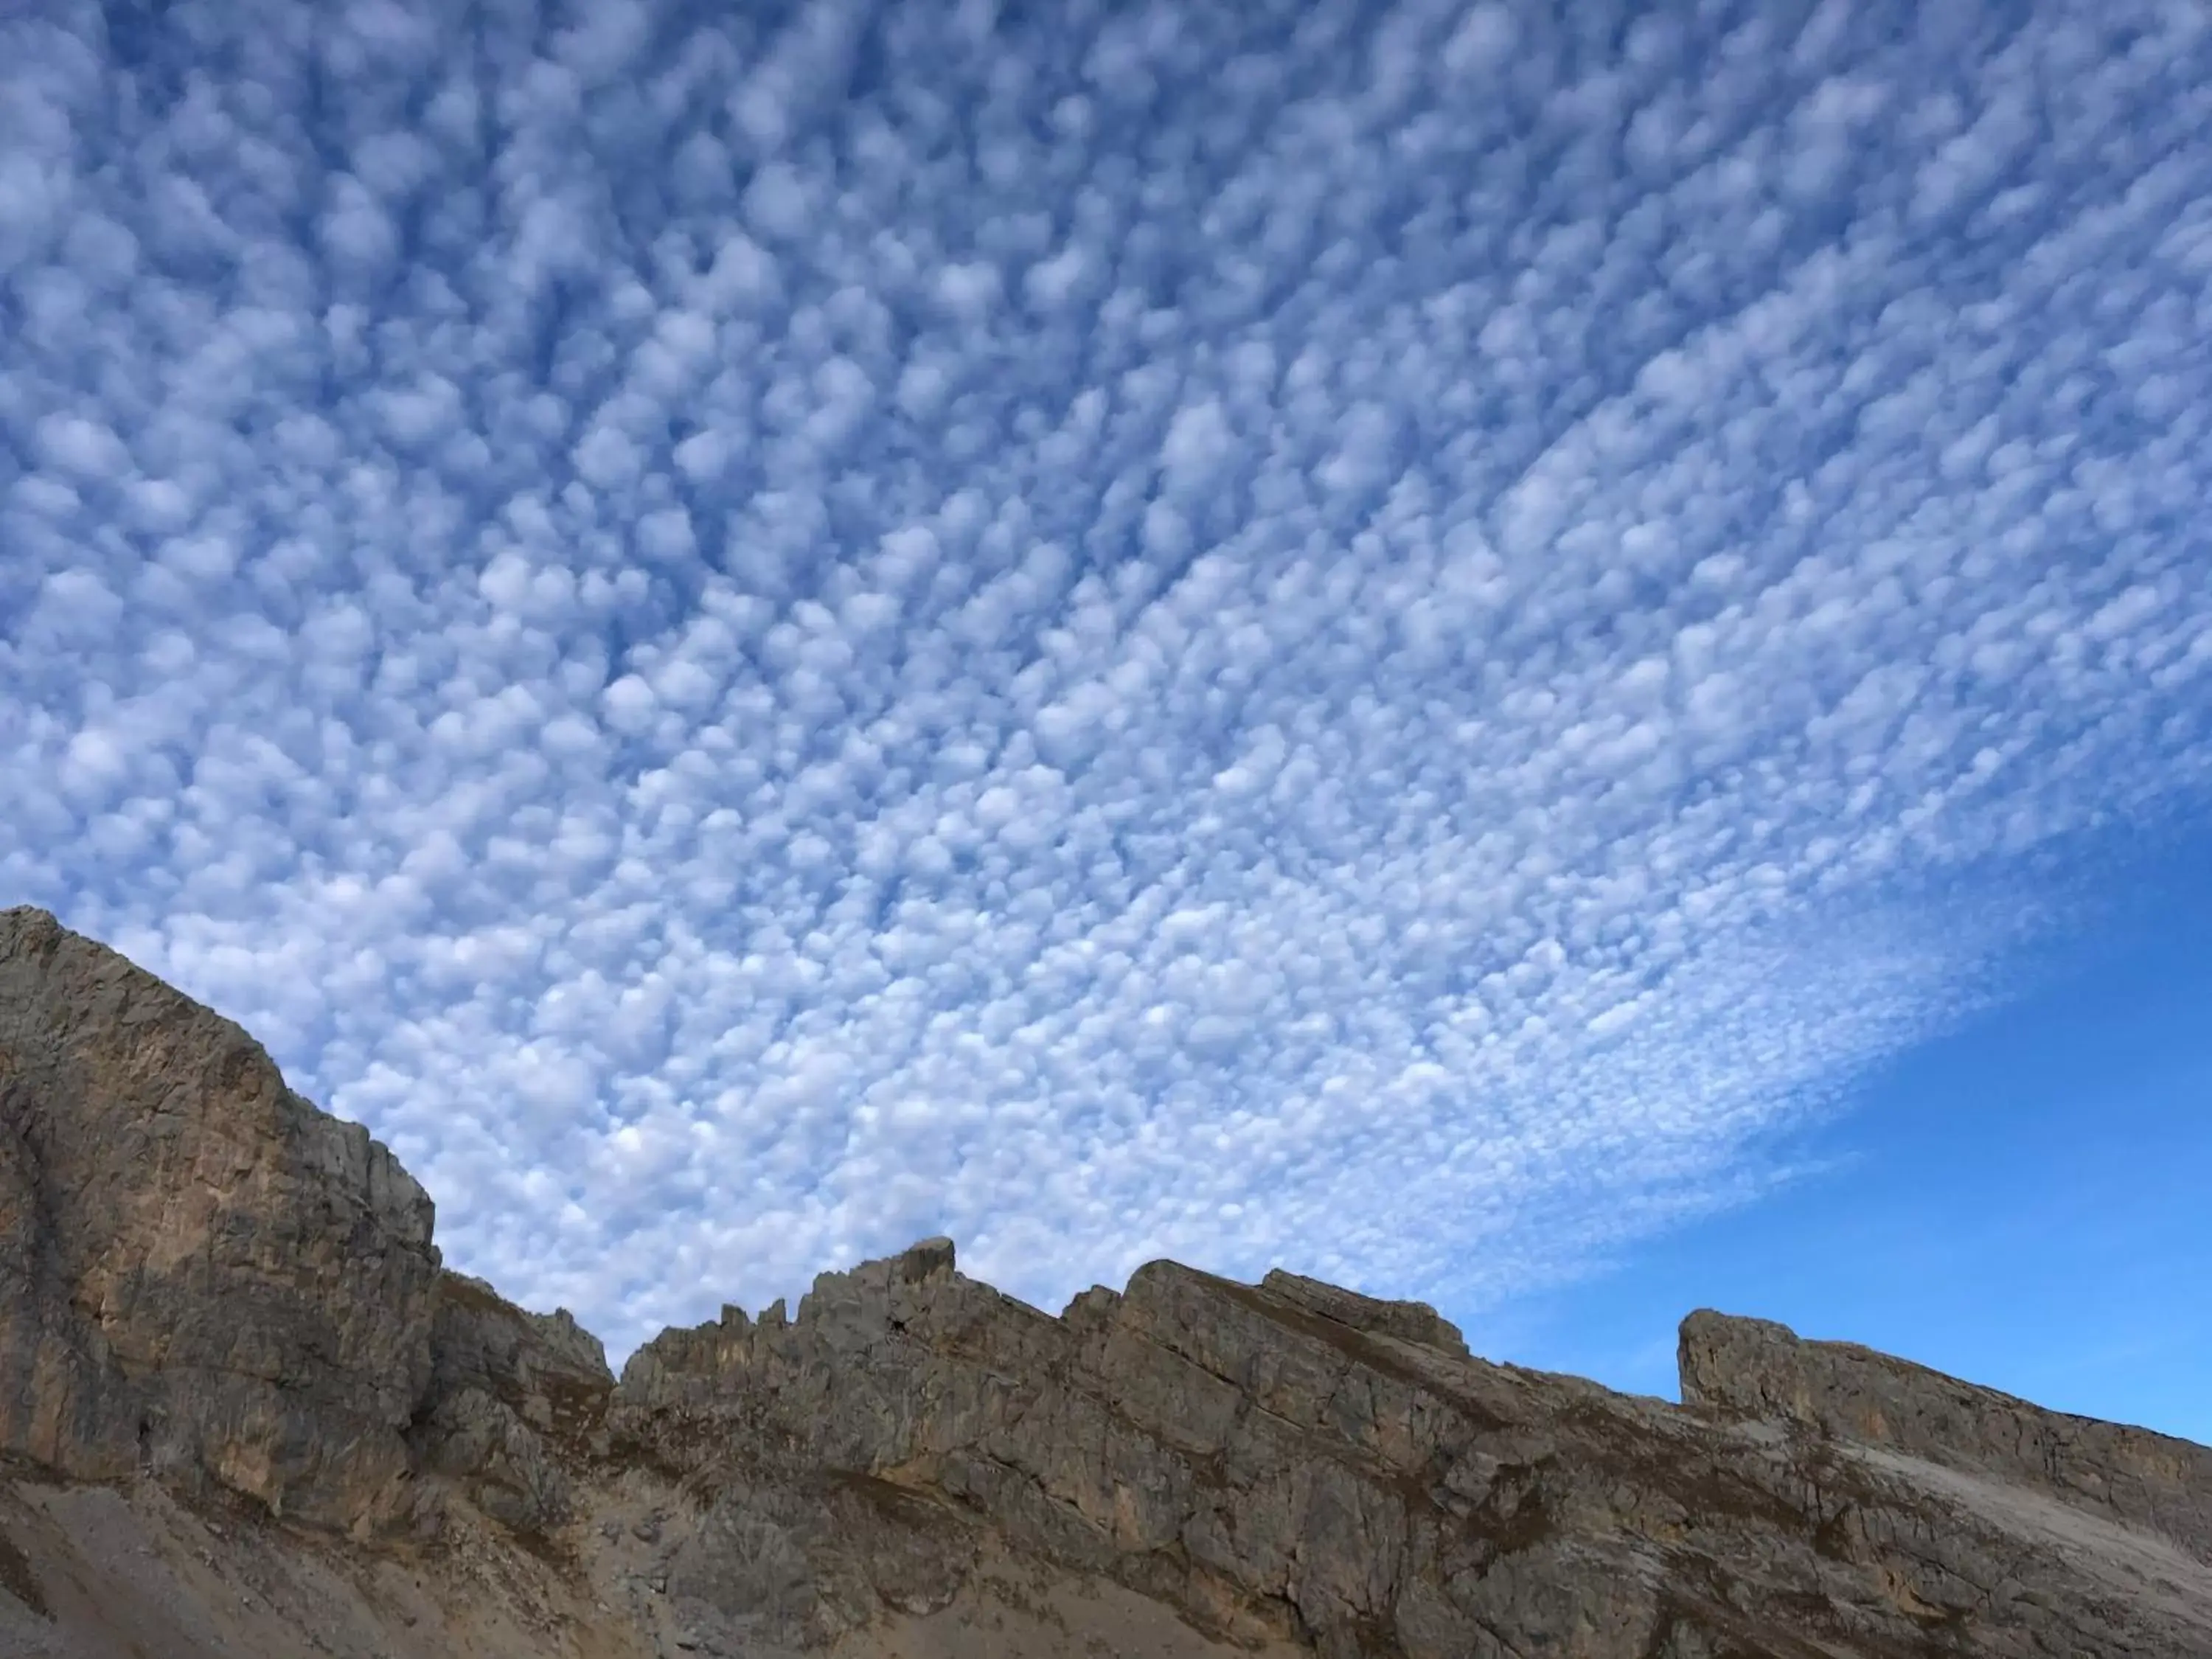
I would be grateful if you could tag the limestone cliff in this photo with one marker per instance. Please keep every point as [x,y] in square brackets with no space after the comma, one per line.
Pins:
[202,1276]
[245,1410]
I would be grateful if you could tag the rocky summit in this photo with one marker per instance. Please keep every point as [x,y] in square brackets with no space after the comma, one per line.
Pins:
[247,1411]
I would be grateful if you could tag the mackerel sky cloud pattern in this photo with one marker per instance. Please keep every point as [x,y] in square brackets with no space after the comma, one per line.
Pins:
[1376,638]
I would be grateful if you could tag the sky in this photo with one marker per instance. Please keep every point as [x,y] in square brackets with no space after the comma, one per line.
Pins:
[1503,653]
[2019,1201]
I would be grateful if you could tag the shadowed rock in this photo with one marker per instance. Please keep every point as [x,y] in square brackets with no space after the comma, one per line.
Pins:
[209,1290]
[514,1398]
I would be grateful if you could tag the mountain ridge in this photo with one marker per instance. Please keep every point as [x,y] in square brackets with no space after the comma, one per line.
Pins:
[229,1348]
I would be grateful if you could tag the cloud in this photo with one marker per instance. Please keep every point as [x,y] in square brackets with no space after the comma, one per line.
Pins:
[1388,644]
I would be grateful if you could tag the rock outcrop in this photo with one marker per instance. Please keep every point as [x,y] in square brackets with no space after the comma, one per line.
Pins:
[1329,1484]
[513,1399]
[1753,1370]
[202,1276]
[236,1375]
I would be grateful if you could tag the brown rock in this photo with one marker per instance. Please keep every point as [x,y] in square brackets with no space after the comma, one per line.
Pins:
[201,1275]
[1409,1321]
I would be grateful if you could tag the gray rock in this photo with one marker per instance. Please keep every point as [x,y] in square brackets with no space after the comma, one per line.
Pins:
[514,1400]
[1349,1483]
[1753,1368]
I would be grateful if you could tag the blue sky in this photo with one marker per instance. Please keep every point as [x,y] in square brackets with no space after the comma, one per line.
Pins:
[2019,1201]
[1471,648]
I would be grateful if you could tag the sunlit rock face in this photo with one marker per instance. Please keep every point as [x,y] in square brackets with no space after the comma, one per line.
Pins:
[1753,1370]
[202,1276]
[246,1410]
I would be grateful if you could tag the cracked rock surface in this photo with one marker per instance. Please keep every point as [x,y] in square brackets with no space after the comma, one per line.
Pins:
[245,1410]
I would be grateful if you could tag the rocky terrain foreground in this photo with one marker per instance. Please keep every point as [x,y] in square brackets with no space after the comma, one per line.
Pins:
[244,1411]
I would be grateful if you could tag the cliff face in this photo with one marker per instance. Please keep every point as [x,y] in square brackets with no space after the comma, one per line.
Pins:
[202,1276]
[1751,1369]
[1352,1482]
[245,1411]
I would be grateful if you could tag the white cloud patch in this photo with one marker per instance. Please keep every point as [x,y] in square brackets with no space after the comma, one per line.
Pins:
[1381,647]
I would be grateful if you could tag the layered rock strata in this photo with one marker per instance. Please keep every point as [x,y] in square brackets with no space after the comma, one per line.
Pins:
[1751,1370]
[243,1404]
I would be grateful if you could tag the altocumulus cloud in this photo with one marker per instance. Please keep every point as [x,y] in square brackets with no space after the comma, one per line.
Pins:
[1353,635]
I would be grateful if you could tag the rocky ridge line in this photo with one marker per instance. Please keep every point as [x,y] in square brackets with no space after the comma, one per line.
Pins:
[209,1288]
